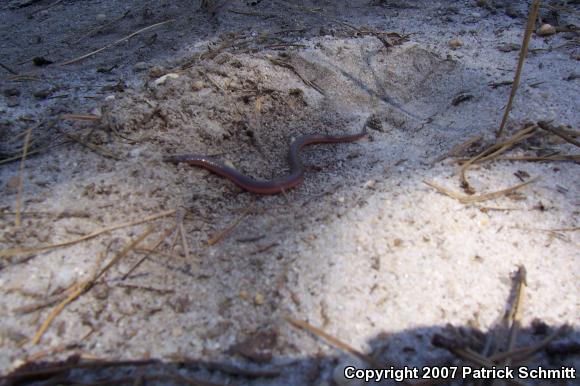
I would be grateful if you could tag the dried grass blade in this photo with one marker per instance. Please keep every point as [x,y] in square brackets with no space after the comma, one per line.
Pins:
[21,175]
[467,199]
[494,151]
[222,234]
[560,133]
[455,150]
[523,52]
[80,288]
[19,251]
[115,43]
[333,341]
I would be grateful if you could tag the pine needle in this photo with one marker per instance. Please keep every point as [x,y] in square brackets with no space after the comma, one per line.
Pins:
[19,251]
[523,52]
[469,199]
[21,175]
[114,43]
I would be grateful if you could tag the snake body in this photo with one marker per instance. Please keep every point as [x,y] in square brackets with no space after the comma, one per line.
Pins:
[289,181]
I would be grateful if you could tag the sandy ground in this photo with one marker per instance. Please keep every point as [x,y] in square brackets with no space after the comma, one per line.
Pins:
[364,249]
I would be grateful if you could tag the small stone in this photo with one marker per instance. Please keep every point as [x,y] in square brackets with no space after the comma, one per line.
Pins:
[370,184]
[546,30]
[455,43]
[197,85]
[259,299]
[140,66]
[163,79]
[155,72]
[101,17]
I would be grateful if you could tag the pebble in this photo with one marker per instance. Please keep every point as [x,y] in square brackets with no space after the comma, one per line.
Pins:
[140,66]
[370,184]
[155,72]
[164,78]
[259,299]
[197,85]
[455,43]
[546,30]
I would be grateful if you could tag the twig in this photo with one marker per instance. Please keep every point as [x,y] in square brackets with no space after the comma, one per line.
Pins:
[227,368]
[525,352]
[334,341]
[21,175]
[143,288]
[51,300]
[515,311]
[47,7]
[101,27]
[467,199]
[23,77]
[35,151]
[114,43]
[47,371]
[78,290]
[222,234]
[97,149]
[184,240]
[551,157]
[283,45]
[523,51]
[573,229]
[544,125]
[158,253]
[265,15]
[82,287]
[295,71]
[455,150]
[475,358]
[80,117]
[494,151]
[8,69]
[153,248]
[51,351]
[128,248]
[18,251]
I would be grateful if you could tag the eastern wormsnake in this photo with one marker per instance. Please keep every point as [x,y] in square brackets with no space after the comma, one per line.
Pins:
[291,180]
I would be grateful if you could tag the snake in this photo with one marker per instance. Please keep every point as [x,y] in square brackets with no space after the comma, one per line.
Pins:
[275,186]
